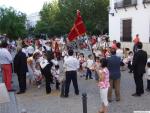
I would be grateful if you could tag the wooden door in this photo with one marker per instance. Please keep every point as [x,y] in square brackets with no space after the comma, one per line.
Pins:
[127,30]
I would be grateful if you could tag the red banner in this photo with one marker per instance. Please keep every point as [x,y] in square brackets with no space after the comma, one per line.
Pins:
[78,28]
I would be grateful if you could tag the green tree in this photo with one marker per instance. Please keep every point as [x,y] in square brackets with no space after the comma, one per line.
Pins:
[58,17]
[12,23]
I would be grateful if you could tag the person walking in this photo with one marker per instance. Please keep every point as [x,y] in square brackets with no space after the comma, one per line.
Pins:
[20,68]
[115,75]
[5,62]
[71,64]
[139,64]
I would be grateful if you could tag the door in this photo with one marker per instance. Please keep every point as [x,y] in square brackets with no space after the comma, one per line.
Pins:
[127,29]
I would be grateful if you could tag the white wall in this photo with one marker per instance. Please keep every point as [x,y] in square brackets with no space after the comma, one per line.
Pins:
[140,21]
[146,46]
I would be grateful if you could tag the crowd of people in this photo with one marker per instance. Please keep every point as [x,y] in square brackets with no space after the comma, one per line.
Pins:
[39,60]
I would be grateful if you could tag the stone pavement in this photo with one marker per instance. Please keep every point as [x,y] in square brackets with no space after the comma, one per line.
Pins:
[9,107]
[36,101]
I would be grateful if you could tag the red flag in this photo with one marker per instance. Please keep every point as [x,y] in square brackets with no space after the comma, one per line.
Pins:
[78,28]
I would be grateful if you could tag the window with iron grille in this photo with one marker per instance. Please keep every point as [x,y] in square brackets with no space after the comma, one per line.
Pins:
[125,3]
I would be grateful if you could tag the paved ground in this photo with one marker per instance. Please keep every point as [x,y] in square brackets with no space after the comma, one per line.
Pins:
[36,101]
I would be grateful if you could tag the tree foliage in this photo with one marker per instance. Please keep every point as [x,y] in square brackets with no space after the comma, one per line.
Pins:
[58,17]
[12,23]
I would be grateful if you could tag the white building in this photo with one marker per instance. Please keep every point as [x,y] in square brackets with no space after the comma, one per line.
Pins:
[32,19]
[128,18]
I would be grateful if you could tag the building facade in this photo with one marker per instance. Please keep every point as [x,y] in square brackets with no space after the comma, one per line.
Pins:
[128,18]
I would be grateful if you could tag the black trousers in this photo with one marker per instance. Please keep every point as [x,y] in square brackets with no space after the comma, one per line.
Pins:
[88,73]
[148,84]
[22,81]
[71,76]
[48,78]
[130,66]
[57,84]
[138,78]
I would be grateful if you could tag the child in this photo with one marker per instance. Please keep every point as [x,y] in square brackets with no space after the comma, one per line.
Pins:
[103,84]
[95,66]
[81,60]
[130,58]
[56,74]
[38,75]
[89,66]
[148,75]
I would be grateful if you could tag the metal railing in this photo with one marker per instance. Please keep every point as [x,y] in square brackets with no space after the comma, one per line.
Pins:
[125,3]
[146,1]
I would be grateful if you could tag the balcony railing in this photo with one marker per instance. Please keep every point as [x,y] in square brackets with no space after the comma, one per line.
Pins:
[125,3]
[146,1]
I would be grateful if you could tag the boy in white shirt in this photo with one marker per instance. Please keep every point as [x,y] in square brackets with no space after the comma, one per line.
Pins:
[56,75]
[90,63]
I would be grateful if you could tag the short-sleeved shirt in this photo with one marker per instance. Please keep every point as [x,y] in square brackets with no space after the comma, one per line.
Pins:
[105,83]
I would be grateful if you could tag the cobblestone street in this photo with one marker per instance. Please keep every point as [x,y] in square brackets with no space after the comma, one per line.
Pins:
[36,101]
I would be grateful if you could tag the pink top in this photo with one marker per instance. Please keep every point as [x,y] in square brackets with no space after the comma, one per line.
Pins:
[105,82]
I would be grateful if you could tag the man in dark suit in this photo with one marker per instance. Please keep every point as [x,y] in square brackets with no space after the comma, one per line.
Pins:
[20,68]
[139,63]
[115,75]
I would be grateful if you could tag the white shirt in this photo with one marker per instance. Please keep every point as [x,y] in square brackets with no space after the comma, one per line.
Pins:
[71,63]
[55,73]
[5,56]
[43,63]
[119,53]
[65,57]
[64,53]
[48,48]
[30,50]
[148,73]
[148,60]
[24,50]
[54,61]
[89,63]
